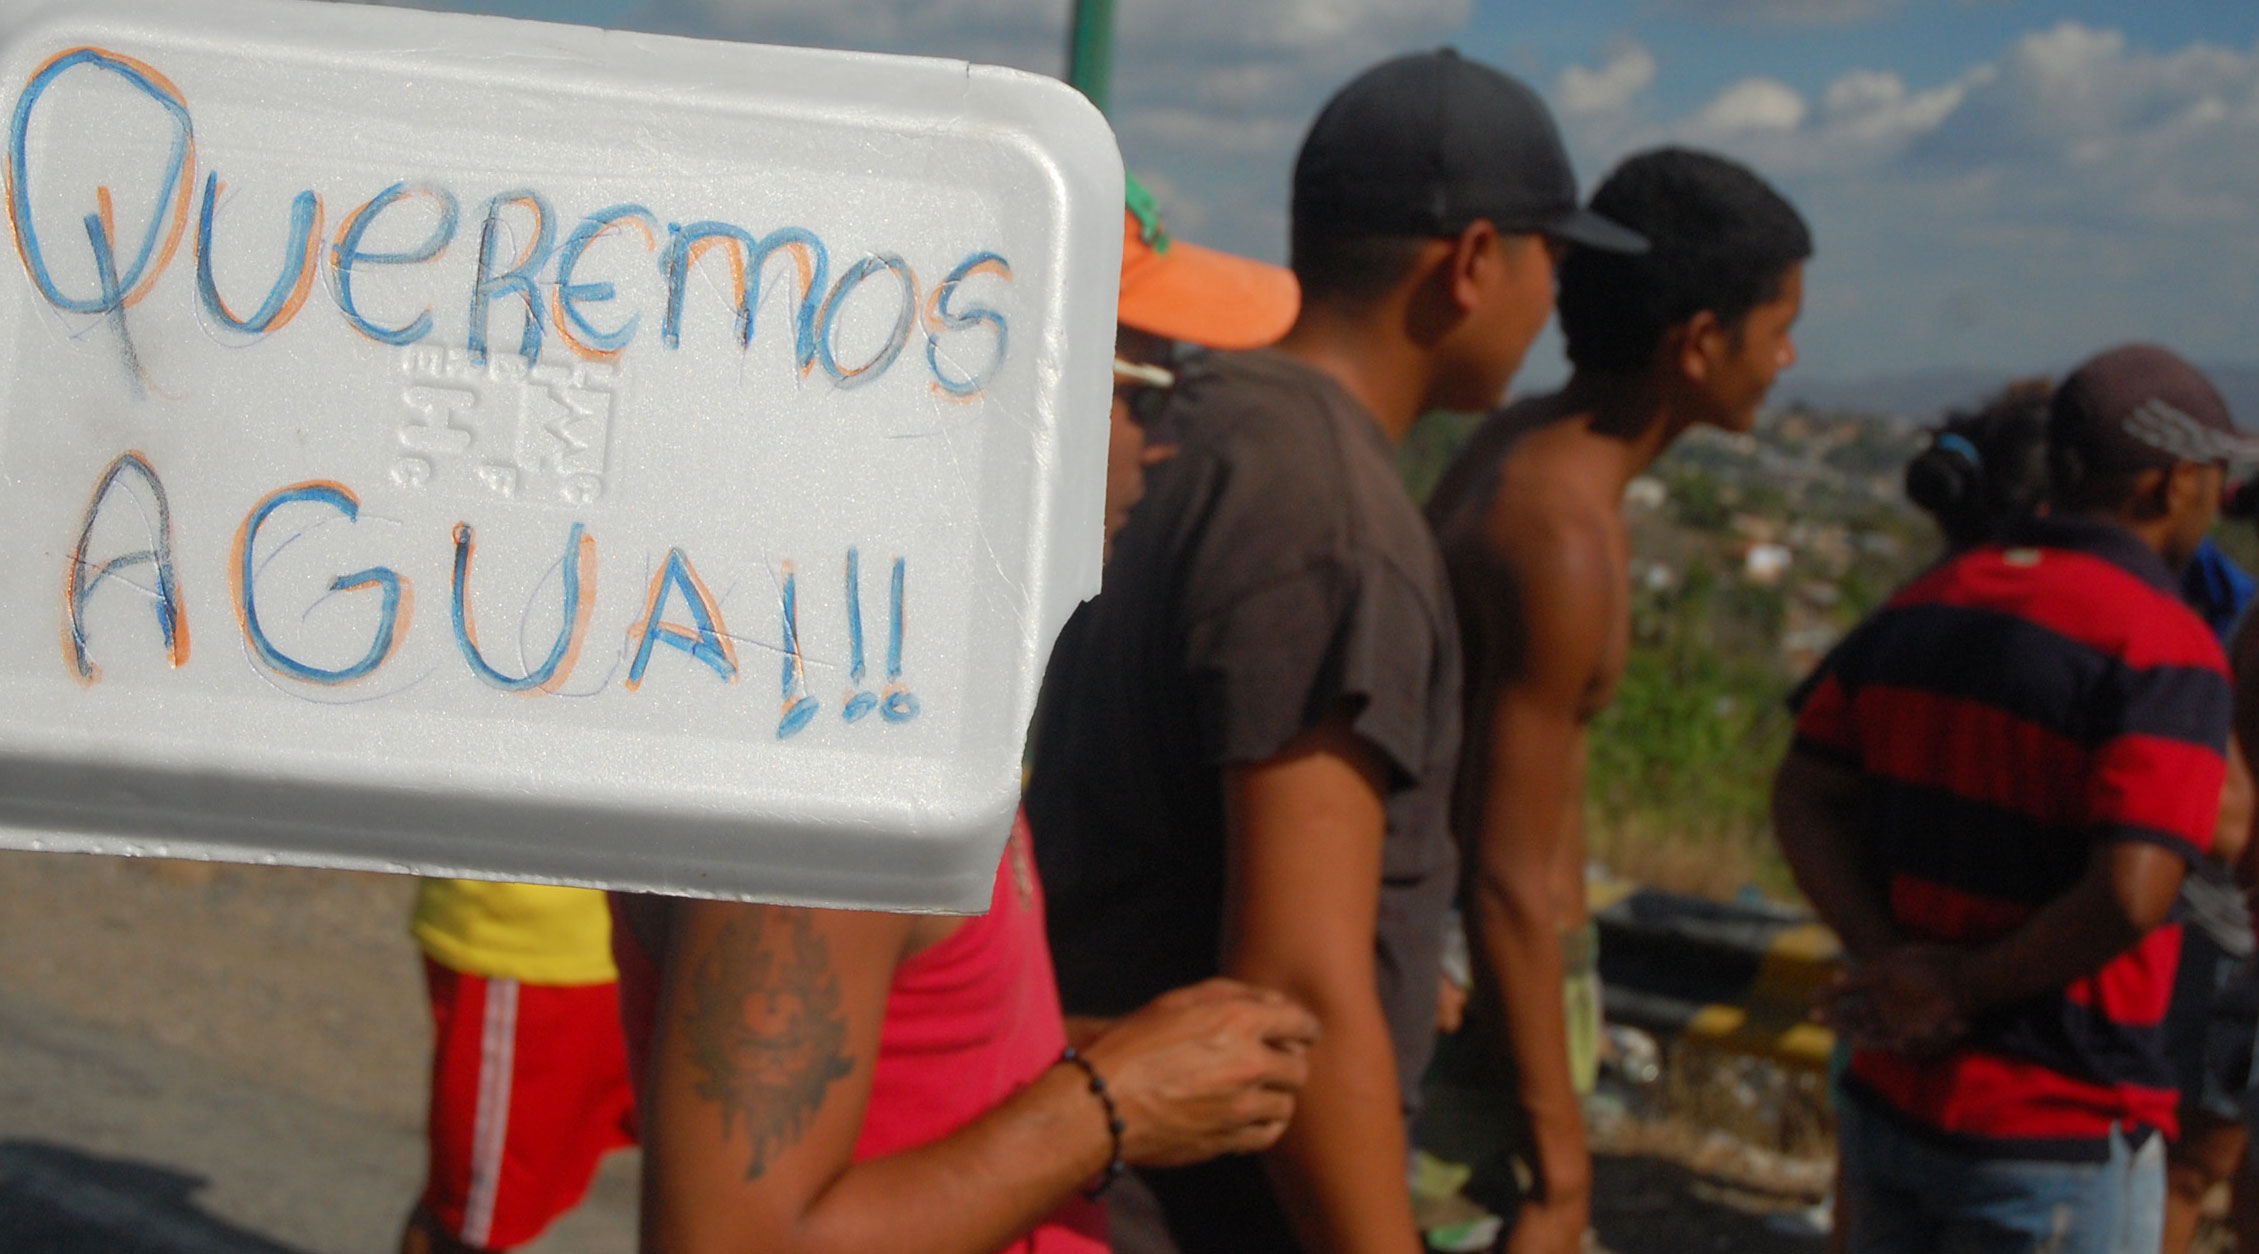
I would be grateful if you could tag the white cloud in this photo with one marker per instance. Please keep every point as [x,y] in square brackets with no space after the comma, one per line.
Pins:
[1215,96]
[1871,106]
[1608,89]
[1753,105]
[1199,29]
[1196,130]
[1027,34]
[1198,34]
[2073,190]
[1209,96]
[1781,12]
[2073,92]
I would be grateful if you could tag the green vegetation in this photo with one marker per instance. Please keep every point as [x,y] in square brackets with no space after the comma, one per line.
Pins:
[2239,540]
[1429,447]
[1680,766]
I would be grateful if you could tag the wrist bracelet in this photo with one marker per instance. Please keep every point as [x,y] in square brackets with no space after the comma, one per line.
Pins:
[1114,1166]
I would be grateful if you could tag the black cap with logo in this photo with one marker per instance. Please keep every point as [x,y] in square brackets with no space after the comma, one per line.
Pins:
[2139,405]
[1428,143]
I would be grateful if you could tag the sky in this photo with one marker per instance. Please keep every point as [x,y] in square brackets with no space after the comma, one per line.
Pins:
[2006,185]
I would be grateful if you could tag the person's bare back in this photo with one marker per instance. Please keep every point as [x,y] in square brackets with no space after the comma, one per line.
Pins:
[1540,559]
[1531,525]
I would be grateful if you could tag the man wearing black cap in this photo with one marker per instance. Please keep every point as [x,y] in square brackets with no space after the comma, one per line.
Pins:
[1690,332]
[1994,790]
[1246,743]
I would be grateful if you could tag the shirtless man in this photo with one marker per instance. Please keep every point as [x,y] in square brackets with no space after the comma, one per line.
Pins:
[1530,520]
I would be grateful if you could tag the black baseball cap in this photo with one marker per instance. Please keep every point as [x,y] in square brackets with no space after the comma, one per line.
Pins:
[2139,405]
[1428,143]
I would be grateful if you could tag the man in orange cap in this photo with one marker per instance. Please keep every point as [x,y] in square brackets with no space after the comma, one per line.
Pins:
[1173,291]
[1246,742]
[848,1080]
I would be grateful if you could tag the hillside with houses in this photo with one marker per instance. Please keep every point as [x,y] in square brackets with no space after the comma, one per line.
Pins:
[1752,555]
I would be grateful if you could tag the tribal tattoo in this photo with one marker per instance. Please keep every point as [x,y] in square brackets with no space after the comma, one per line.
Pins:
[765,1029]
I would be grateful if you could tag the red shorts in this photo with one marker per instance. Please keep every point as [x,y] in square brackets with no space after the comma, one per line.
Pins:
[529,1088]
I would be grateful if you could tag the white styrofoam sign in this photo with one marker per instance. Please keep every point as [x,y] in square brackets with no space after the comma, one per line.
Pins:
[471,446]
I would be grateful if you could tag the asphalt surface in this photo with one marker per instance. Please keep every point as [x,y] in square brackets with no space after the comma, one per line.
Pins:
[211,1059]
[203,1059]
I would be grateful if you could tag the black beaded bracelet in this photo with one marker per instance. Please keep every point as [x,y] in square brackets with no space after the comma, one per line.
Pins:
[1114,1166]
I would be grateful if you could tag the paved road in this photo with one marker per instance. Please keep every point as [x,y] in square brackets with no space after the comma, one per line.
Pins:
[218,1060]
[114,1144]
[200,1059]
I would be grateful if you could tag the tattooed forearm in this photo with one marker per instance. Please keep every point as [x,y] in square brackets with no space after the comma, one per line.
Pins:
[764,1027]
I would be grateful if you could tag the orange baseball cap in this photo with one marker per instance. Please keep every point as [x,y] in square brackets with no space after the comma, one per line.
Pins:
[1182,291]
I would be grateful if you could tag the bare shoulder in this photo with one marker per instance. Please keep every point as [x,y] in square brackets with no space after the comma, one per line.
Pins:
[1471,471]
[1539,574]
[1550,535]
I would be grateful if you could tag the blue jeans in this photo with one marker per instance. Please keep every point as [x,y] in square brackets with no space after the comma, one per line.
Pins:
[1906,1195]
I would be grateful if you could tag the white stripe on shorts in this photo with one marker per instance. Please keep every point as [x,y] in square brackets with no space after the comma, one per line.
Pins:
[490,1126]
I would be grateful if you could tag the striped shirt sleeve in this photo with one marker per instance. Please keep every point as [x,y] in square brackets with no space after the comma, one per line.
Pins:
[2157,777]
[1825,725]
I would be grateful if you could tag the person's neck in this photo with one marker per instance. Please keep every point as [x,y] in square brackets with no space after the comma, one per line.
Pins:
[1367,353]
[1629,416]
[2156,532]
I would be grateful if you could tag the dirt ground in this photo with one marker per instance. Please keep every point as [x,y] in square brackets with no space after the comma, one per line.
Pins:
[307,982]
[305,978]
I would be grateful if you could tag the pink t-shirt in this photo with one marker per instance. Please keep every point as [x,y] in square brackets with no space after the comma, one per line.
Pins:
[969,1022]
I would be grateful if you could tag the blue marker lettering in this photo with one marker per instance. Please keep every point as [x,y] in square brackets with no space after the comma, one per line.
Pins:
[392,625]
[125,285]
[570,321]
[518,279]
[347,253]
[899,706]
[940,318]
[288,294]
[172,619]
[748,258]
[106,272]
[706,640]
[579,600]
[900,336]
[799,707]
[858,701]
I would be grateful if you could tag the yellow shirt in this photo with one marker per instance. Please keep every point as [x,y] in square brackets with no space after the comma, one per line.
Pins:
[536,933]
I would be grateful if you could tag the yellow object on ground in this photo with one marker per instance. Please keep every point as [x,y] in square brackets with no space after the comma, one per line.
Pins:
[1581,996]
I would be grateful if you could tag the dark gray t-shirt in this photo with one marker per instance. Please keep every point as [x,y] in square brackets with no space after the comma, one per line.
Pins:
[1275,571]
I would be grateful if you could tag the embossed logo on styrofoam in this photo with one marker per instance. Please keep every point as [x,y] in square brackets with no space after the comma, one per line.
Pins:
[540,434]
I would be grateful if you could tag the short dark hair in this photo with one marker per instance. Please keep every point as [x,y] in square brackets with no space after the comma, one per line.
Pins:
[1336,267]
[2075,487]
[1720,238]
[1987,468]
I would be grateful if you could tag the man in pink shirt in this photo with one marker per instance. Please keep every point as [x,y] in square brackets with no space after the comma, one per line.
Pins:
[819,1080]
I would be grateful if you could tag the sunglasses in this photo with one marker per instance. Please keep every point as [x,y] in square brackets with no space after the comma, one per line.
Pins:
[1144,388]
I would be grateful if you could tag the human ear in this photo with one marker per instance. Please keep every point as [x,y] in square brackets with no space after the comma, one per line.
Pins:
[1702,344]
[2158,490]
[1476,249]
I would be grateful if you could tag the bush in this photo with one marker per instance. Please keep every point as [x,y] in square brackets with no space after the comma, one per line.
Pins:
[1679,769]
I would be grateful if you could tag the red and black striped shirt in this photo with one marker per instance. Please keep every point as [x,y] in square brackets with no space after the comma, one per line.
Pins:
[2012,710]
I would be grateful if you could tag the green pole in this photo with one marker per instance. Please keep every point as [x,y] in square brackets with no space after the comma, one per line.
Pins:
[1090,51]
